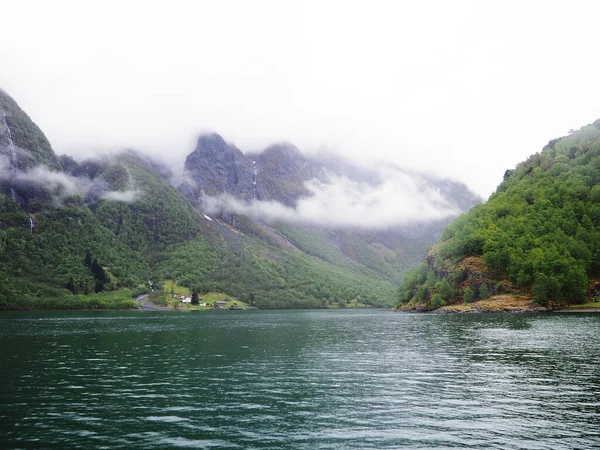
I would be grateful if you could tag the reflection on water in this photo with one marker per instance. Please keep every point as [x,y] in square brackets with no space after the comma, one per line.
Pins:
[298,379]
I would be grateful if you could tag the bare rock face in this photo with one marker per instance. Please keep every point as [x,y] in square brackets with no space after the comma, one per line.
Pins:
[216,167]
[282,172]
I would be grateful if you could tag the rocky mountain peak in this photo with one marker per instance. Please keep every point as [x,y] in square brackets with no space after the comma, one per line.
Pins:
[212,143]
[218,168]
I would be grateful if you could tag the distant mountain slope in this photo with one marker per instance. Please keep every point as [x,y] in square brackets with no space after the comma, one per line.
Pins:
[281,178]
[115,223]
[49,238]
[539,234]
[137,204]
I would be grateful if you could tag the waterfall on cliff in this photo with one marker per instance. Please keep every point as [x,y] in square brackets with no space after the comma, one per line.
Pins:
[254,182]
[12,152]
[11,144]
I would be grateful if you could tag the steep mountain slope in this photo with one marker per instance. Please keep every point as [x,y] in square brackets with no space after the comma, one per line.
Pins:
[21,140]
[538,235]
[51,244]
[112,224]
[244,192]
[287,261]
[140,207]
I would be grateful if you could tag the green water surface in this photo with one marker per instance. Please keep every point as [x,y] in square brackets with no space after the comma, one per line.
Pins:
[298,380]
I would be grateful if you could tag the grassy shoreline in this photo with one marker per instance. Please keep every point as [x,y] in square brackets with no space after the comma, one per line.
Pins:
[122,299]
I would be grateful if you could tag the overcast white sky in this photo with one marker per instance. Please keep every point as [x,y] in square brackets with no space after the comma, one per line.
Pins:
[464,88]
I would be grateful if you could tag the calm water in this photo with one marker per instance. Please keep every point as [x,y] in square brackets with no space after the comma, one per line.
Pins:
[298,380]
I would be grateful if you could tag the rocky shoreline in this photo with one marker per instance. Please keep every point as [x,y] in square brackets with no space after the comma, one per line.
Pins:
[514,304]
[577,310]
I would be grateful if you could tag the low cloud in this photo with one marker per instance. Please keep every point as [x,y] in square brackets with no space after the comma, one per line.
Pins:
[399,198]
[49,180]
[125,196]
[62,185]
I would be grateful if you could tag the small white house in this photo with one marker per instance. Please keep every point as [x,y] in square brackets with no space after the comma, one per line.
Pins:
[186,300]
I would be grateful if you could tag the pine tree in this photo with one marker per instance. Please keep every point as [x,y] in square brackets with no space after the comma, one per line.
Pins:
[469,295]
[71,285]
[99,286]
[88,259]
[98,272]
[445,289]
[484,292]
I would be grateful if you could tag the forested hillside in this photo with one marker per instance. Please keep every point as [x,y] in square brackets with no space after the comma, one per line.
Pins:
[94,233]
[538,235]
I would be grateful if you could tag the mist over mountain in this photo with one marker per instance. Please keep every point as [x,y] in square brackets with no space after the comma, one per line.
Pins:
[281,183]
[280,227]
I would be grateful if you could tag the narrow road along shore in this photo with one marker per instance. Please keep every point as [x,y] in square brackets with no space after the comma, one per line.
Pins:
[147,305]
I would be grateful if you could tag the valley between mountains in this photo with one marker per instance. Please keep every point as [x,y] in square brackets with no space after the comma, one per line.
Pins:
[274,229]
[281,228]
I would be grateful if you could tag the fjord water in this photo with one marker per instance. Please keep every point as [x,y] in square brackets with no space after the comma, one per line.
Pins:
[299,380]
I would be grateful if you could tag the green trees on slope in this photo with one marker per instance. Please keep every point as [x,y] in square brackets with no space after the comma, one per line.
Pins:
[268,277]
[158,217]
[541,228]
[51,260]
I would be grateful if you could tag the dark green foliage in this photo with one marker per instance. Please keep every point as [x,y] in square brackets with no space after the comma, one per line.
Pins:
[484,291]
[98,272]
[412,280]
[436,301]
[458,276]
[469,295]
[546,289]
[46,297]
[431,278]
[71,285]
[195,298]
[445,289]
[496,261]
[422,293]
[99,286]
[158,218]
[35,265]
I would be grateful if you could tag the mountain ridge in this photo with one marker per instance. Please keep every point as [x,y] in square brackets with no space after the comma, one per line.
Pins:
[123,213]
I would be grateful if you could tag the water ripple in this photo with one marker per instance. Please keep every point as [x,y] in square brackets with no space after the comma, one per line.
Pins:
[300,379]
